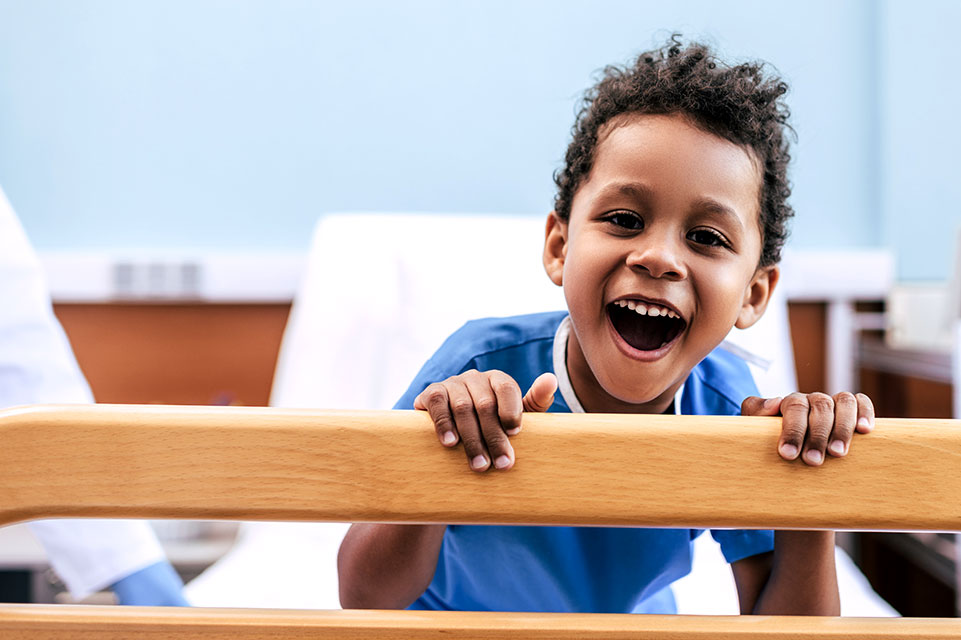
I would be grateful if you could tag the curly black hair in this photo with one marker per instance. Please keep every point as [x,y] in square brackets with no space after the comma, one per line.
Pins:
[742,104]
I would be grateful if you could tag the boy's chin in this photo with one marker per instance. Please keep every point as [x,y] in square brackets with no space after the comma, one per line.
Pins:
[641,400]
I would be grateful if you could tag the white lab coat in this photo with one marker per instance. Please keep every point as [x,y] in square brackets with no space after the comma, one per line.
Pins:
[37,366]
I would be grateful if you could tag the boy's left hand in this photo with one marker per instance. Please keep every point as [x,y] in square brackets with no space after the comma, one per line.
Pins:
[815,423]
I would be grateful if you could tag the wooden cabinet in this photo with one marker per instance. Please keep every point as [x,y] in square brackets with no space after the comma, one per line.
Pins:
[916,573]
[183,353]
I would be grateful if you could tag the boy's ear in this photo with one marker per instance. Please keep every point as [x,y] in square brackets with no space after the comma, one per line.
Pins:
[757,295]
[555,248]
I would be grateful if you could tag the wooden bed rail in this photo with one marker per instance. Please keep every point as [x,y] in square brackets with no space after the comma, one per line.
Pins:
[379,466]
[83,622]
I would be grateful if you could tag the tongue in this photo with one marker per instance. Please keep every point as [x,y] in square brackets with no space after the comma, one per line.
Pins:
[641,332]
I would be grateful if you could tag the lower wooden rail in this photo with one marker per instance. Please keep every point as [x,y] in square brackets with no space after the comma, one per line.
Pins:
[49,622]
[608,470]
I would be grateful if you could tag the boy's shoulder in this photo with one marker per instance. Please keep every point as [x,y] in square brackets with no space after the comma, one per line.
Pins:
[491,334]
[486,336]
[519,345]
[720,382]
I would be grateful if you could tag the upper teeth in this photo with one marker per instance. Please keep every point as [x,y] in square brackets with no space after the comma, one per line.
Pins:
[647,309]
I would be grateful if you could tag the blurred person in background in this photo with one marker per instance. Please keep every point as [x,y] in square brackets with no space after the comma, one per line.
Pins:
[37,366]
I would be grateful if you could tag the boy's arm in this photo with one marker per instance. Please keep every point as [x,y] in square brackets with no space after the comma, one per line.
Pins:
[387,566]
[797,578]
[384,566]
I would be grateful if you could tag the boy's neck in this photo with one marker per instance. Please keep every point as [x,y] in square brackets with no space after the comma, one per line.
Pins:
[595,399]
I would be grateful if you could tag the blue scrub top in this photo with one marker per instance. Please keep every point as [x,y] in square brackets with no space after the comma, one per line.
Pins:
[569,569]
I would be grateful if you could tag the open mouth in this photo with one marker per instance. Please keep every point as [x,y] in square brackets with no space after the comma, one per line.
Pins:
[643,325]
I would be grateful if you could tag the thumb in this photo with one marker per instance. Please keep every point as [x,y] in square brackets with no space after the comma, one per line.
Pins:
[754,406]
[541,394]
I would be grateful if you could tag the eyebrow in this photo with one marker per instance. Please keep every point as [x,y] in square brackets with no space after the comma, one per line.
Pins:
[631,189]
[640,190]
[713,206]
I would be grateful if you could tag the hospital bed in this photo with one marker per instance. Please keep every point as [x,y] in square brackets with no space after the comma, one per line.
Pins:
[581,469]
[380,293]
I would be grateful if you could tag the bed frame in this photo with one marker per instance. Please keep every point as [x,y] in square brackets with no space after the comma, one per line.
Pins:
[129,461]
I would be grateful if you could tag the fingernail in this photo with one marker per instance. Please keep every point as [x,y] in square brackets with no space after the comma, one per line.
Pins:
[502,462]
[813,456]
[770,402]
[837,447]
[479,462]
[788,451]
[448,438]
[864,423]
[513,432]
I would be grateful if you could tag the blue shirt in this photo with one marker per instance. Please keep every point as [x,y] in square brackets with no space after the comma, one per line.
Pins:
[569,569]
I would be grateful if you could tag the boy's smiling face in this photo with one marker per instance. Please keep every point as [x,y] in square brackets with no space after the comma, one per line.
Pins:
[658,260]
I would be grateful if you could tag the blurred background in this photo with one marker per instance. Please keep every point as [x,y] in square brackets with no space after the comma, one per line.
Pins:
[170,160]
[230,125]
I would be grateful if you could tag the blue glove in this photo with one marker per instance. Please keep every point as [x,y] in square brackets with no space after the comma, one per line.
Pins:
[155,586]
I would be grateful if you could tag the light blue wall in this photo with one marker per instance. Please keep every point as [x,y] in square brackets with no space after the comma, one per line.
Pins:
[232,125]
[921,132]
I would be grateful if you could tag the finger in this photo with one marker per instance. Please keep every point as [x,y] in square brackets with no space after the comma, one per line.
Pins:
[509,402]
[485,407]
[755,406]
[865,422]
[540,396]
[795,409]
[462,406]
[845,416]
[820,424]
[437,403]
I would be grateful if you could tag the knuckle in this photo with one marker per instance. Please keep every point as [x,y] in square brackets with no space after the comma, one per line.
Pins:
[435,396]
[486,405]
[437,405]
[821,402]
[443,422]
[504,387]
[845,399]
[794,402]
[462,407]
[793,432]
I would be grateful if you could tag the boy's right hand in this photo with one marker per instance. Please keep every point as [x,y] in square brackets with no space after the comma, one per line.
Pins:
[483,408]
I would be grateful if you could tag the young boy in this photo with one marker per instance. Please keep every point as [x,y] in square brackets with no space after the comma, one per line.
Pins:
[667,229]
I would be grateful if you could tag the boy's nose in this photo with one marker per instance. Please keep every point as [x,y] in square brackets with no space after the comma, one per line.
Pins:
[659,258]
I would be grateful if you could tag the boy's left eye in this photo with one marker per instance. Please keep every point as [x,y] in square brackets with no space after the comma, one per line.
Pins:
[625,220]
[707,237]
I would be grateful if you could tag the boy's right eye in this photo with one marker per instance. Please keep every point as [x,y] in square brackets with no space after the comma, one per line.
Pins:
[625,220]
